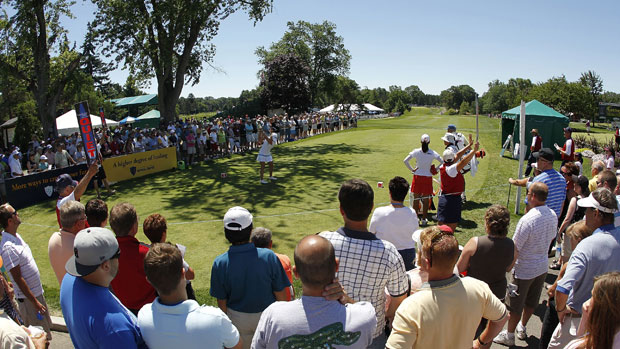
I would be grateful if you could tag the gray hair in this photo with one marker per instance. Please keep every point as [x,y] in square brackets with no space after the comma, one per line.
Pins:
[607,199]
[261,237]
[599,165]
[70,213]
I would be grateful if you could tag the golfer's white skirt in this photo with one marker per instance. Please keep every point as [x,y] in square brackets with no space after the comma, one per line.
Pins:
[264,158]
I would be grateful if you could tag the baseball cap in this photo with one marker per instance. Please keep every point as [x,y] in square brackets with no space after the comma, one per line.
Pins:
[448,155]
[544,153]
[534,130]
[590,201]
[568,129]
[63,181]
[446,229]
[237,218]
[451,127]
[425,138]
[91,247]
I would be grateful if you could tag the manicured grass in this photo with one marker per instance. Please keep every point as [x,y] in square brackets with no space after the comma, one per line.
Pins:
[199,115]
[302,201]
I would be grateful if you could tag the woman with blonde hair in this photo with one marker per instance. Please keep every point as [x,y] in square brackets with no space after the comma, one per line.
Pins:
[601,315]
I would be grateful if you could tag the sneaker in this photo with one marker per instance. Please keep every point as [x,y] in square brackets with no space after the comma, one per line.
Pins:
[262,181]
[505,338]
[423,222]
[521,332]
[273,178]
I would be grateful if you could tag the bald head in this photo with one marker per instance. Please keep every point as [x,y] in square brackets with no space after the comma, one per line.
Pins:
[315,261]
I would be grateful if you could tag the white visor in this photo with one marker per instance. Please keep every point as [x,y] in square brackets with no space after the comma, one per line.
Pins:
[591,202]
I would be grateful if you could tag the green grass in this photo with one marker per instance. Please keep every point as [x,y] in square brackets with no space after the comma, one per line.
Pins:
[198,115]
[302,201]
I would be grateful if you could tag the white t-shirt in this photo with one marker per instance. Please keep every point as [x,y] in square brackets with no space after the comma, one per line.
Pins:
[313,322]
[396,225]
[578,164]
[213,136]
[15,251]
[423,161]
[609,163]
[186,325]
[265,149]
[569,146]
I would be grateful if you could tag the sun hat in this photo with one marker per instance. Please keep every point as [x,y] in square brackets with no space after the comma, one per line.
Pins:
[91,247]
[448,137]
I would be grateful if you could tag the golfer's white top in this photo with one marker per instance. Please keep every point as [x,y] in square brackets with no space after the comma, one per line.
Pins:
[265,149]
[423,161]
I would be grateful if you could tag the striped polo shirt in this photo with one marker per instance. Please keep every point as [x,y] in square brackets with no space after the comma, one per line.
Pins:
[15,251]
[557,189]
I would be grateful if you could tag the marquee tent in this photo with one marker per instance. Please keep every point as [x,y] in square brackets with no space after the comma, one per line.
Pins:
[149,119]
[127,120]
[550,124]
[354,107]
[67,123]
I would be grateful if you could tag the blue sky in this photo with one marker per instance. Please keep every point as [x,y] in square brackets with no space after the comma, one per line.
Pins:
[432,44]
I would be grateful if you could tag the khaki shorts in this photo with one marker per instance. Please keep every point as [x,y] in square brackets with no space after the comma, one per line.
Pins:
[29,315]
[529,293]
[245,323]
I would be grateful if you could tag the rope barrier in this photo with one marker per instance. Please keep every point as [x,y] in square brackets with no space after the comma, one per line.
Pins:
[300,213]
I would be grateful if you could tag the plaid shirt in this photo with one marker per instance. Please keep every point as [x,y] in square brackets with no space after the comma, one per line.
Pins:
[367,266]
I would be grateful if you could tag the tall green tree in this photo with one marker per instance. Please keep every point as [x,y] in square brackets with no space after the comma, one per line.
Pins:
[346,93]
[167,39]
[91,62]
[284,83]
[455,95]
[319,46]
[29,37]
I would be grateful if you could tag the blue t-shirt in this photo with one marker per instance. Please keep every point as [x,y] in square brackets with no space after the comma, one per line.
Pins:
[595,255]
[96,318]
[557,189]
[246,277]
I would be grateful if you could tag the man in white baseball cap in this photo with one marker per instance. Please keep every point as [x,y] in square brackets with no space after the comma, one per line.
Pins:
[94,316]
[245,280]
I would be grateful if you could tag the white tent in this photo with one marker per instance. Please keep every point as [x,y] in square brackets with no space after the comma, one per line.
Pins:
[67,123]
[354,107]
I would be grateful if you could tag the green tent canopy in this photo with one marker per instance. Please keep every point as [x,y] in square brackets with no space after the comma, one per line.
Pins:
[149,119]
[136,101]
[549,122]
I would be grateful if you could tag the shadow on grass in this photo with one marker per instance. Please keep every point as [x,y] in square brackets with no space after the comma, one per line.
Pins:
[202,189]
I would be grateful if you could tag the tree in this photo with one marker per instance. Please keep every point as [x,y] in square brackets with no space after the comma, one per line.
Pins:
[285,83]
[28,36]
[319,47]
[455,95]
[168,40]
[566,97]
[91,63]
[415,94]
[346,93]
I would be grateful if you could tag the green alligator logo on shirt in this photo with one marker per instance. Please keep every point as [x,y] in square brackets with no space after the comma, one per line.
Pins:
[326,337]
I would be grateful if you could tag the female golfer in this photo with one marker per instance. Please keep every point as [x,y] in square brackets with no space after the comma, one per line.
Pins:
[264,155]
[422,187]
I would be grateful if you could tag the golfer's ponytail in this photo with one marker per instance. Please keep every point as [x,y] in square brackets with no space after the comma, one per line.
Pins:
[424,147]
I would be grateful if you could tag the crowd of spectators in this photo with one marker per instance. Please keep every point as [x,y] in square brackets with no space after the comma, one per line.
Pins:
[376,282]
[195,139]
